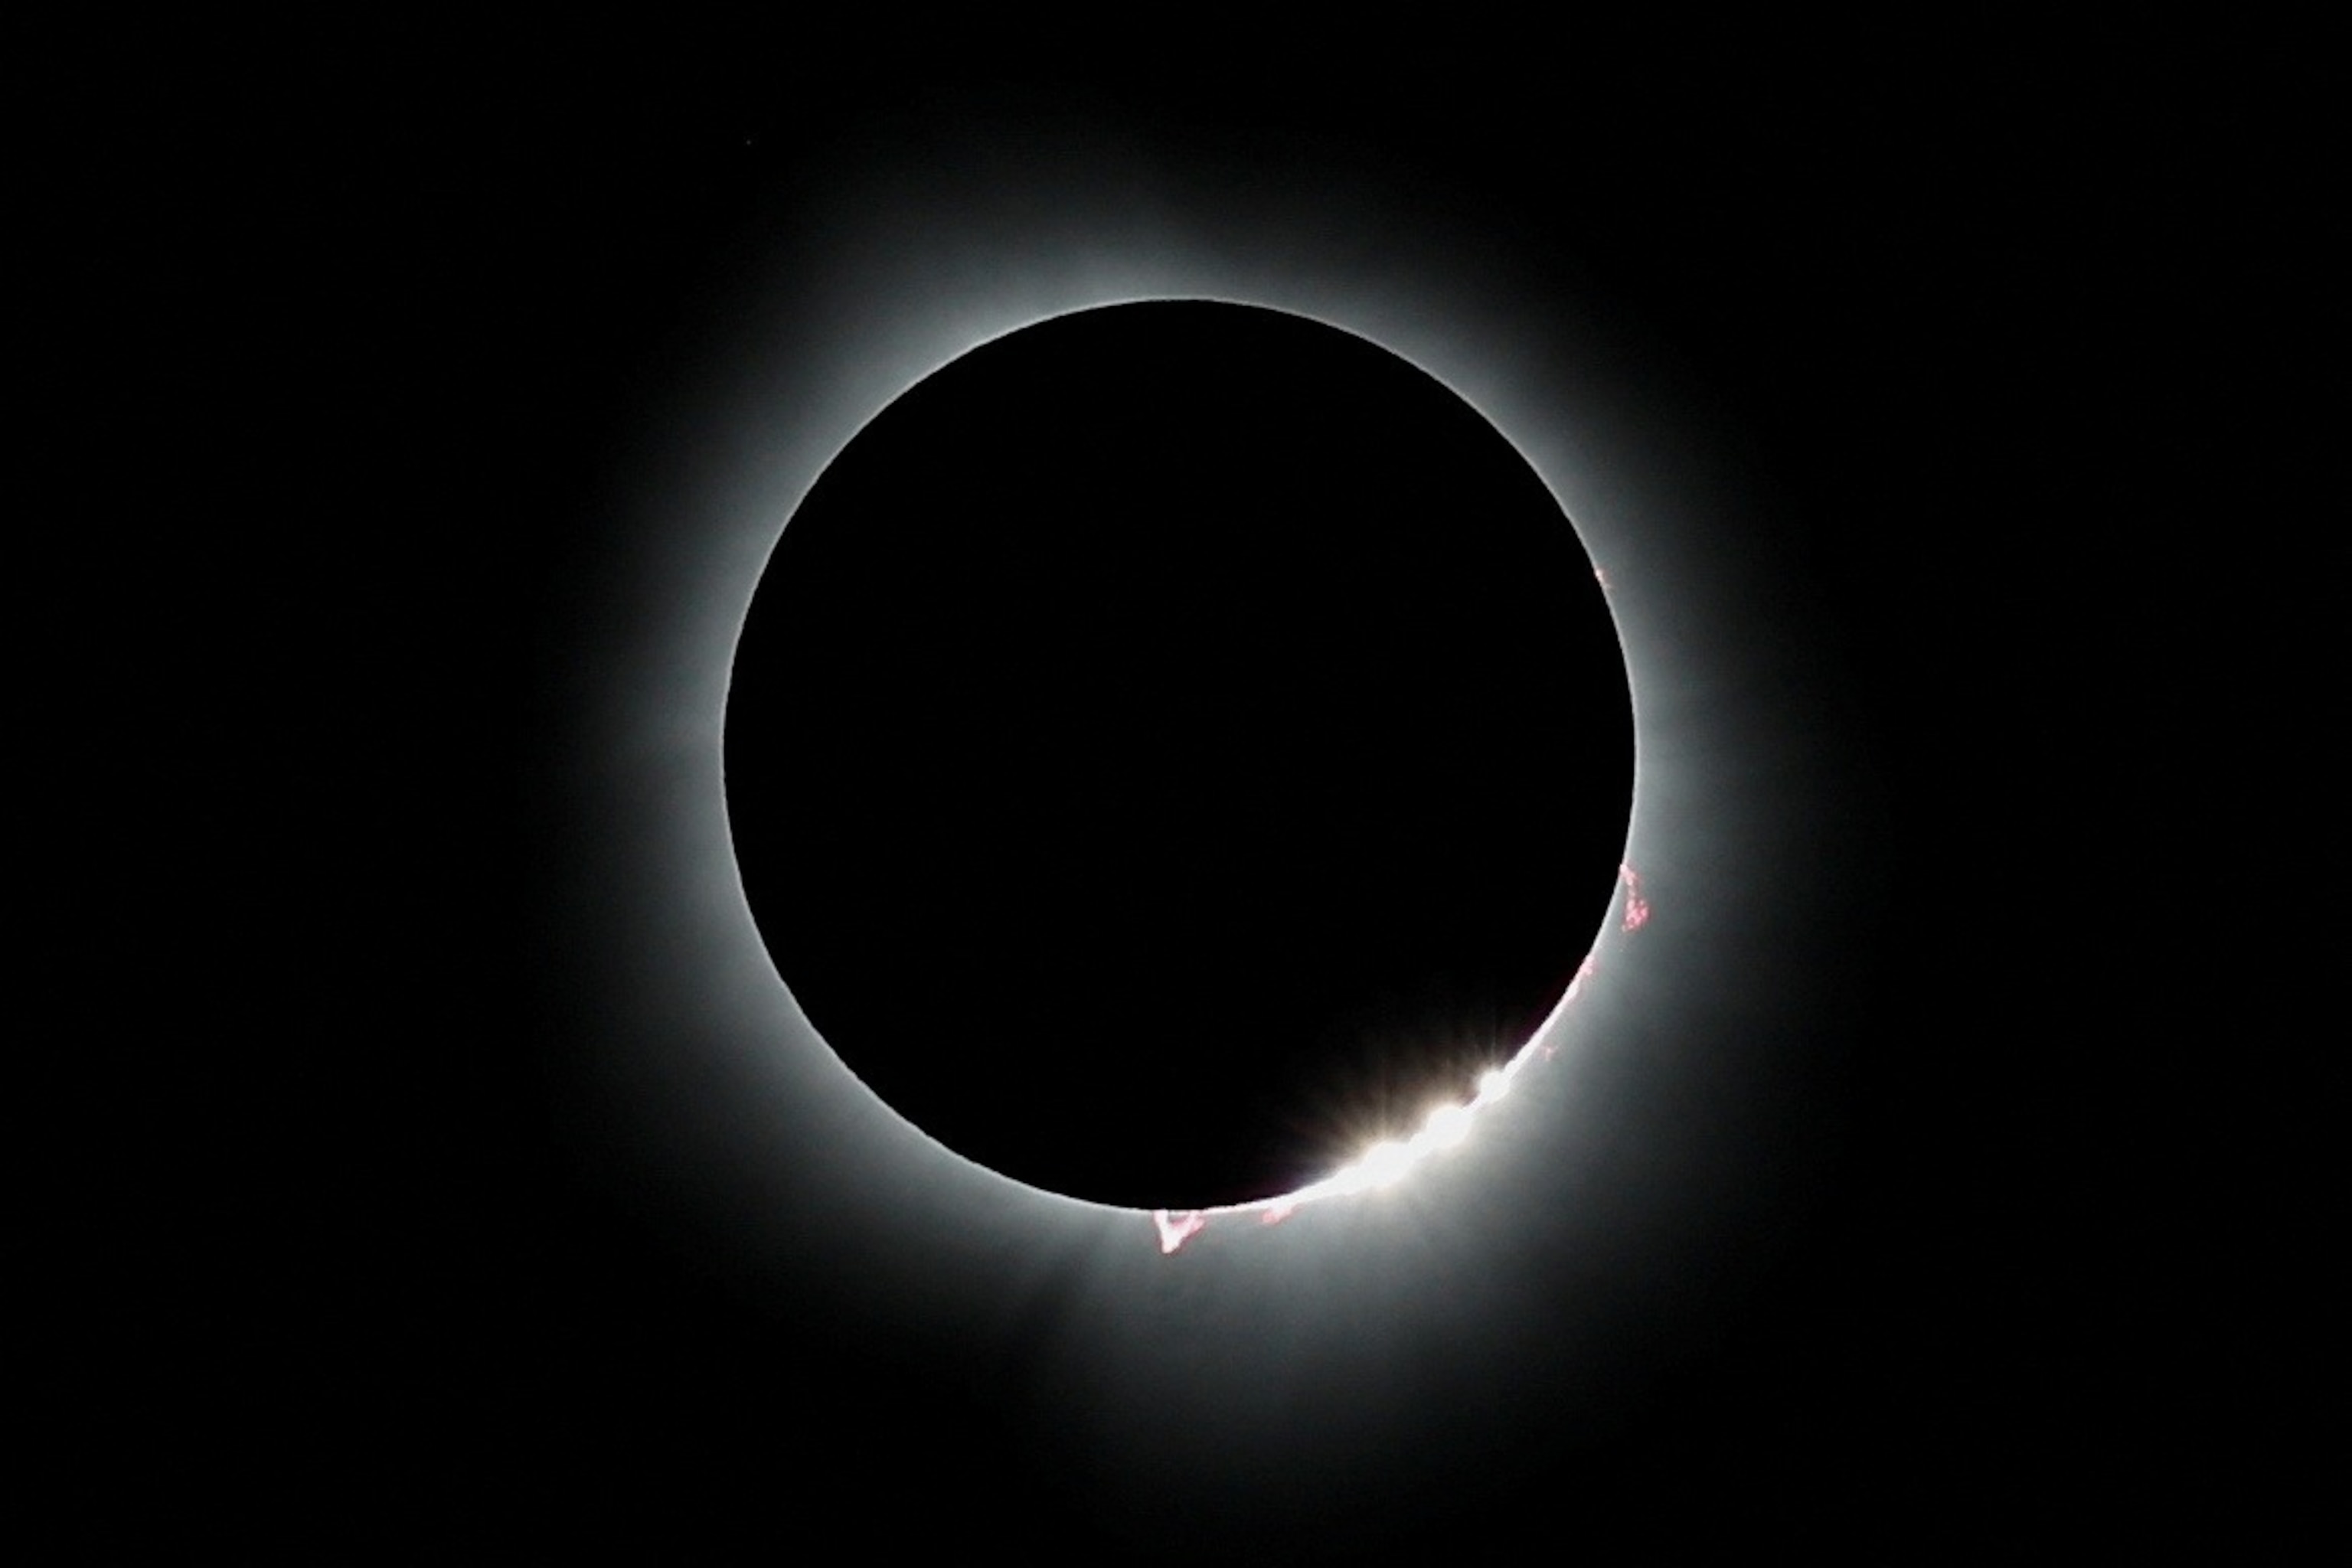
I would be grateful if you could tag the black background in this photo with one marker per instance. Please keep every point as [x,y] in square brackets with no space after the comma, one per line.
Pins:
[347,325]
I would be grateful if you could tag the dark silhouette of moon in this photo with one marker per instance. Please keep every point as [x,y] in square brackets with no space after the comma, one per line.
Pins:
[1173,746]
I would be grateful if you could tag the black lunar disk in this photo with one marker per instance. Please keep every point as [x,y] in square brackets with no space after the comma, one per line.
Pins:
[1173,746]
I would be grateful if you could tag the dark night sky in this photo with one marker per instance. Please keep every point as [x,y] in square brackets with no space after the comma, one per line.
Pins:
[372,344]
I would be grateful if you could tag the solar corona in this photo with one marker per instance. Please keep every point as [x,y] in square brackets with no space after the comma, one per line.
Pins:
[1029,825]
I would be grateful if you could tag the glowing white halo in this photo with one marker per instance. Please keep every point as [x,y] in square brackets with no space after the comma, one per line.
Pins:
[724,1107]
[943,324]
[945,327]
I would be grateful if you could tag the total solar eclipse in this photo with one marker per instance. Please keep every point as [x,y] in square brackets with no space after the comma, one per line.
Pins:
[1173,743]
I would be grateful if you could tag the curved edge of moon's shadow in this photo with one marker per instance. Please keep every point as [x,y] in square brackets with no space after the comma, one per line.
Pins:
[837,812]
